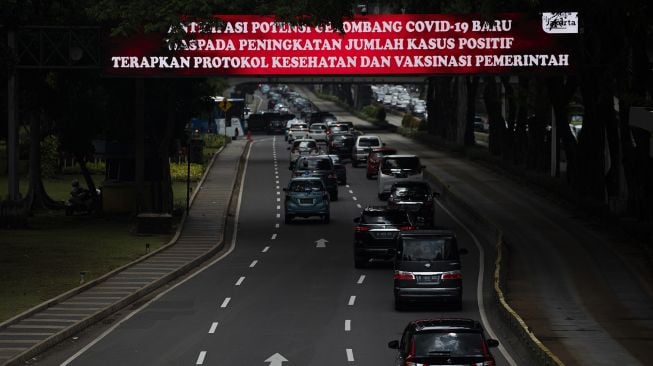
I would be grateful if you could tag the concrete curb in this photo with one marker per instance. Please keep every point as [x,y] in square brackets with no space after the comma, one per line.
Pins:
[539,351]
[94,318]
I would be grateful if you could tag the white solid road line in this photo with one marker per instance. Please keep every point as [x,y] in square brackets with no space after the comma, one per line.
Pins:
[350,355]
[479,285]
[347,325]
[253,263]
[213,327]
[225,303]
[352,300]
[360,279]
[232,246]
[274,236]
[240,281]
[265,249]
[200,358]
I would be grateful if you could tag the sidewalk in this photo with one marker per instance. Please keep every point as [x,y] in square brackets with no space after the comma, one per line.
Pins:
[201,236]
[585,294]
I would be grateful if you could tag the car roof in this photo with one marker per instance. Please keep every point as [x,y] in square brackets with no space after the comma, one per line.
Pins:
[368,136]
[304,178]
[428,232]
[447,323]
[400,156]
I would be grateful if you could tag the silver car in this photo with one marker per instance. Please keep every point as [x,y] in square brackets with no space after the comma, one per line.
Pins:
[317,132]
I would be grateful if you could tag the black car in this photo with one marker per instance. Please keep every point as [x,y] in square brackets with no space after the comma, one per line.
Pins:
[415,197]
[318,166]
[376,231]
[276,127]
[427,268]
[444,342]
[341,144]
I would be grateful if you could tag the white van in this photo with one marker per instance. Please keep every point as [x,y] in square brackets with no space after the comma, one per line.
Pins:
[398,168]
[362,147]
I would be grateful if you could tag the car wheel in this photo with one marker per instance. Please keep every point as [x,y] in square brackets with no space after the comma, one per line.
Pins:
[333,195]
[360,262]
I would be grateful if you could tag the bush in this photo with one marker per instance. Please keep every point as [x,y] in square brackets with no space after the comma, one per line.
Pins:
[374,112]
[213,141]
[178,172]
[411,122]
[49,156]
[94,167]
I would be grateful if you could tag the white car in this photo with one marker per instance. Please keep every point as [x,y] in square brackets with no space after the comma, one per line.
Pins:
[318,132]
[363,145]
[298,131]
[301,147]
[398,168]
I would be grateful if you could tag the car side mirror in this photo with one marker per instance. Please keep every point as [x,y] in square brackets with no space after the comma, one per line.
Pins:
[489,342]
[463,251]
[395,344]
[357,220]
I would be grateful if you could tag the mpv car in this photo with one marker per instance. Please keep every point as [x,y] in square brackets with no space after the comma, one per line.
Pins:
[301,147]
[318,166]
[444,342]
[416,197]
[398,168]
[305,197]
[376,231]
[427,268]
[363,145]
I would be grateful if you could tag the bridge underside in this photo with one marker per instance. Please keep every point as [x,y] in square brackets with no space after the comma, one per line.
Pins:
[410,79]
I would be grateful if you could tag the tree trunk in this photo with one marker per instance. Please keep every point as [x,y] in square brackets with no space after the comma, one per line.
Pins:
[36,195]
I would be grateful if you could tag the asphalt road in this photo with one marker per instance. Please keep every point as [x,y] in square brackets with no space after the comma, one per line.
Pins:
[277,293]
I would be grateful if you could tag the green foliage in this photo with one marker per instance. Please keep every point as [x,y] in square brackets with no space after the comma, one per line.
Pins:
[94,167]
[178,172]
[412,122]
[374,112]
[49,156]
[213,141]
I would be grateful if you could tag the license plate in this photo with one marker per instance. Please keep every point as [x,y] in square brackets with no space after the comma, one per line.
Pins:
[383,234]
[306,201]
[428,278]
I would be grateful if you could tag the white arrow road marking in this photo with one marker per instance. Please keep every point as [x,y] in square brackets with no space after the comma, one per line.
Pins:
[225,302]
[350,355]
[213,326]
[361,279]
[276,360]
[200,358]
[240,281]
[352,300]
[347,325]
[321,243]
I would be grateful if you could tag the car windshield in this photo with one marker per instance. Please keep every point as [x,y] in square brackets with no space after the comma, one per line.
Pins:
[305,145]
[298,127]
[338,128]
[314,164]
[411,191]
[429,344]
[385,218]
[409,162]
[369,141]
[341,137]
[428,249]
[306,186]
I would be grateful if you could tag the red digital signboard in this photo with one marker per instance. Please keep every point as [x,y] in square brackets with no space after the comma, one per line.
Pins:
[384,44]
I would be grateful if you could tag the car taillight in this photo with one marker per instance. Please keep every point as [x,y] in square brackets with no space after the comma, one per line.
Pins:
[360,229]
[401,275]
[407,228]
[453,275]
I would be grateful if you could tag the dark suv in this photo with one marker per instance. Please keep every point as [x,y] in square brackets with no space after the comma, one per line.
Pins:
[375,233]
[318,166]
[427,268]
[444,342]
[341,144]
[415,197]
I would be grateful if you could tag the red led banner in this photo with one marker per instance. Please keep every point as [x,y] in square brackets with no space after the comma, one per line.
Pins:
[385,44]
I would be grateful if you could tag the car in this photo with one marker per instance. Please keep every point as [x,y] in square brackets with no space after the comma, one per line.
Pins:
[362,147]
[374,159]
[297,131]
[318,132]
[397,168]
[338,128]
[289,124]
[427,268]
[321,117]
[276,127]
[306,197]
[444,341]
[415,197]
[341,144]
[375,233]
[341,170]
[299,148]
[318,166]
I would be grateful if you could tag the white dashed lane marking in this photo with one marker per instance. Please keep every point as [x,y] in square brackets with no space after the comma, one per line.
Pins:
[360,279]
[350,355]
[347,325]
[200,358]
[240,281]
[354,198]
[352,300]
[359,205]
[253,264]
[213,327]
[350,191]
[225,302]
[274,236]
[276,225]
[265,250]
